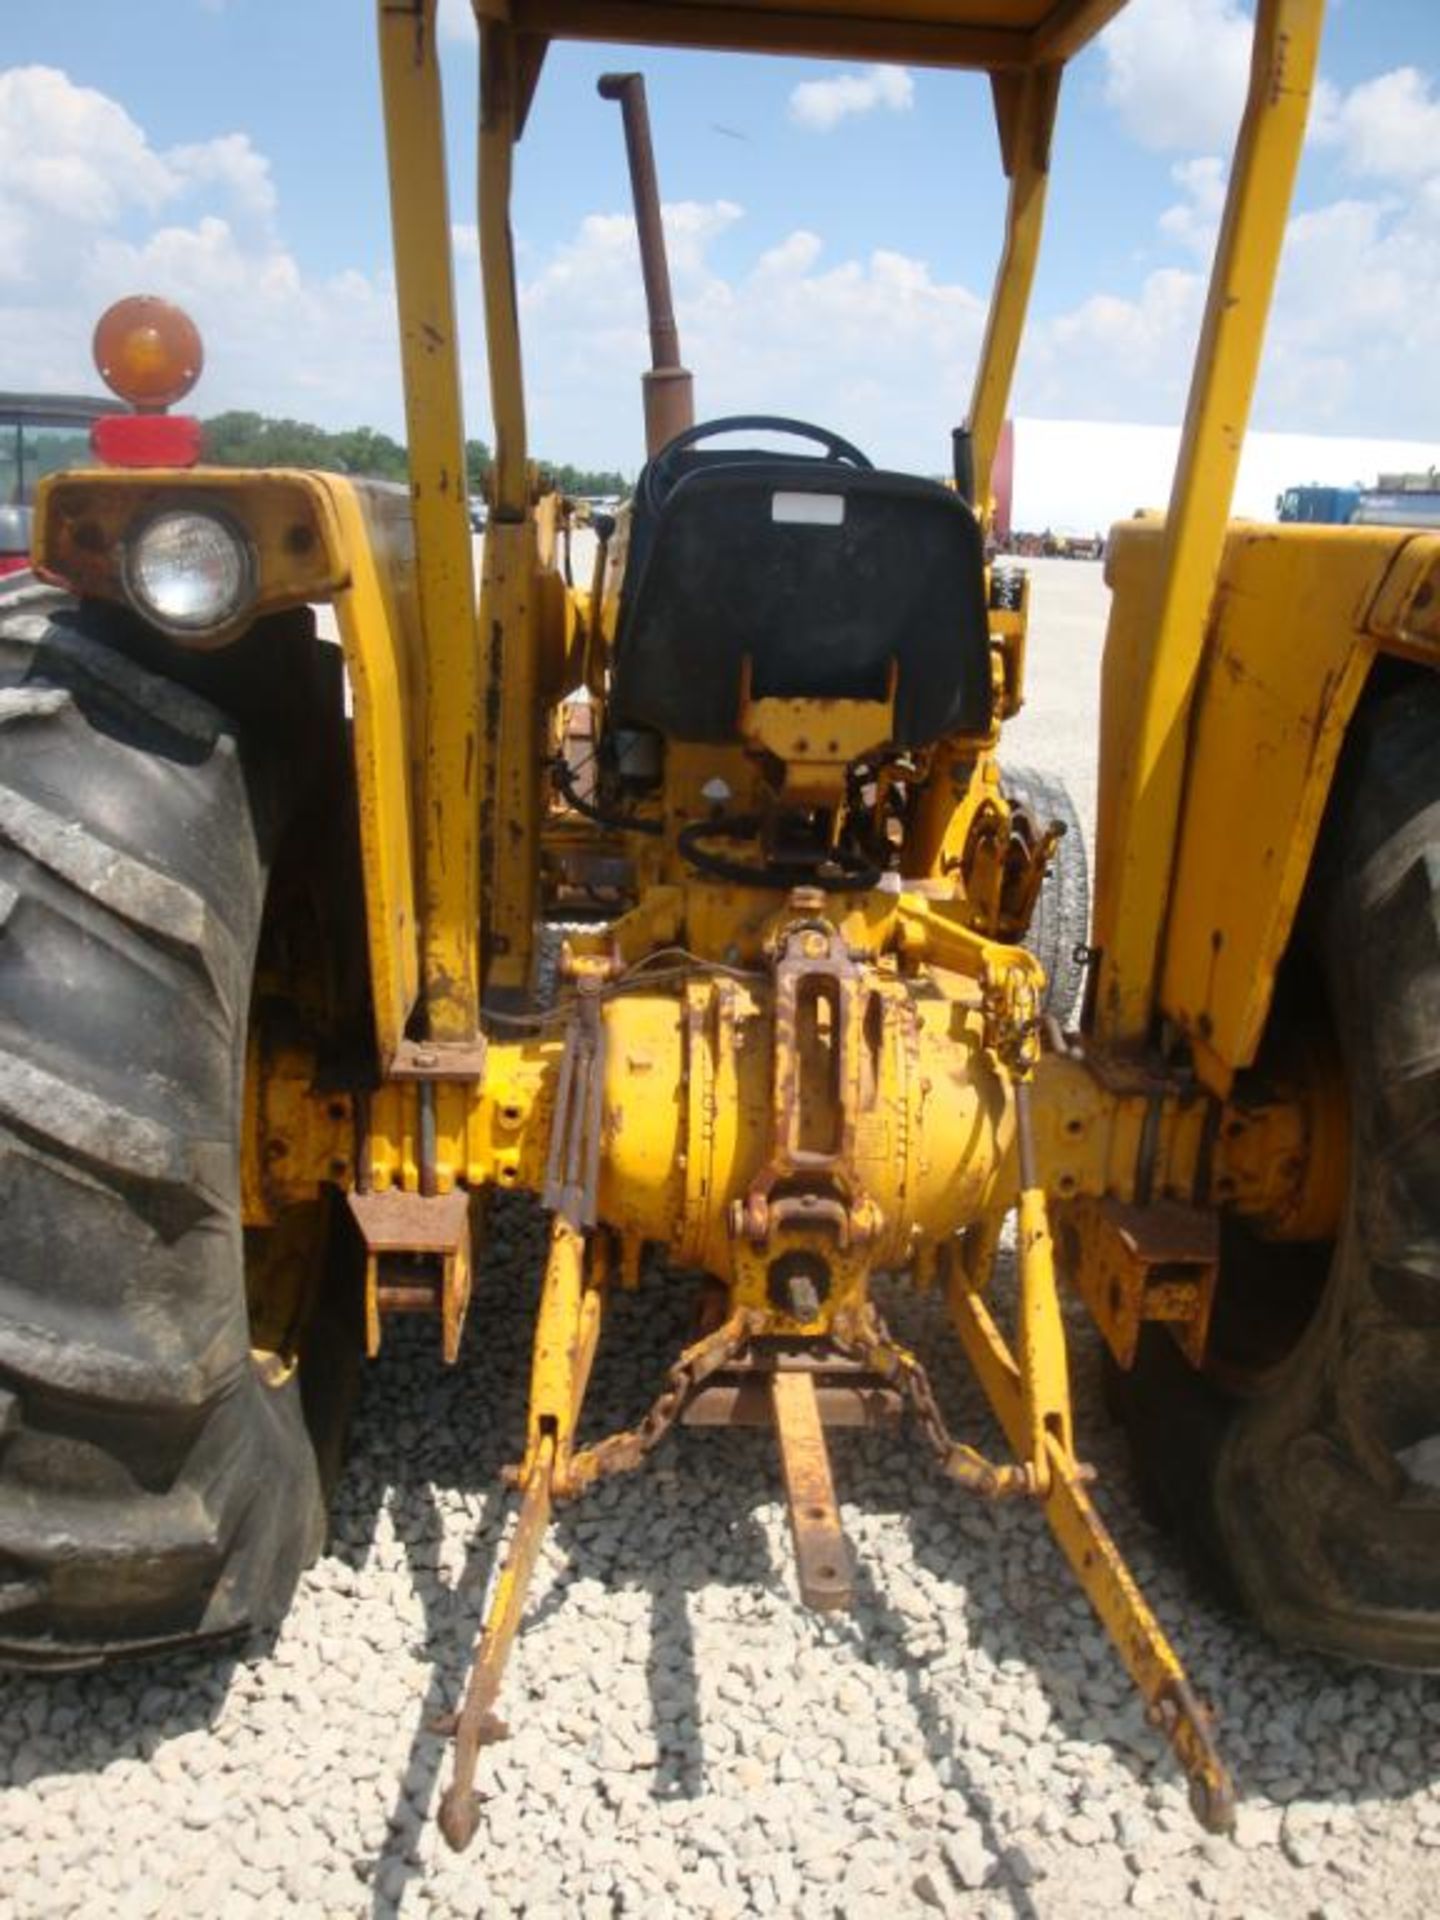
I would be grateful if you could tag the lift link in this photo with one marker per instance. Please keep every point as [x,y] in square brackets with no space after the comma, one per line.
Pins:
[1030,1398]
[1149,1658]
[1044,1369]
[477,1725]
[572,1171]
[566,1336]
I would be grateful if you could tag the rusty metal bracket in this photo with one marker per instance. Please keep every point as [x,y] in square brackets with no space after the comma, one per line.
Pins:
[1132,1264]
[846,1392]
[817,1093]
[438,1060]
[434,1227]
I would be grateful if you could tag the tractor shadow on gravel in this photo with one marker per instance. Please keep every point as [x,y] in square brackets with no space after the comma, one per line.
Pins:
[1013,1600]
[459,1427]
[428,1447]
[1288,1722]
[80,1722]
[468,1424]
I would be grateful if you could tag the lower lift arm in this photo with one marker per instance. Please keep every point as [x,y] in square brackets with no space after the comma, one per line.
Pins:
[1031,1399]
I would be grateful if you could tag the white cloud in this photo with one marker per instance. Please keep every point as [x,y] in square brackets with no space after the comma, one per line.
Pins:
[1194,221]
[1355,341]
[1354,338]
[874,346]
[1114,357]
[797,253]
[880,345]
[69,153]
[230,162]
[1176,72]
[72,161]
[455,20]
[822,104]
[1387,128]
[90,210]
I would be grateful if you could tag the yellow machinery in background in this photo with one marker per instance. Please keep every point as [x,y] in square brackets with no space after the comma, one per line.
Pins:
[804,1040]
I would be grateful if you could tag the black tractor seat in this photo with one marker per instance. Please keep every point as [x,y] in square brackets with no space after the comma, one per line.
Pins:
[820,571]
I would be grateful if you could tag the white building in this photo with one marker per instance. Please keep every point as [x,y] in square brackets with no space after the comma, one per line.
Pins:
[1077,476]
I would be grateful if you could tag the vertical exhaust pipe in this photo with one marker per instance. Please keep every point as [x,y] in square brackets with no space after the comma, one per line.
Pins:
[667,388]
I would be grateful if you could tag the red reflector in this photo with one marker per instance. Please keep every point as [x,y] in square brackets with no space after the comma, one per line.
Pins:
[13,562]
[146,439]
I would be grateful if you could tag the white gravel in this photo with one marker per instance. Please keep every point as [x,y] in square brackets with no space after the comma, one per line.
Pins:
[687,1739]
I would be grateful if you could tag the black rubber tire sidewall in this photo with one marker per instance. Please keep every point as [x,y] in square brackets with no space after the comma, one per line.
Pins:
[153,1490]
[1292,1498]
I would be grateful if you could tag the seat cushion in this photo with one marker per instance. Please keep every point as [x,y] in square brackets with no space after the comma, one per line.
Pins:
[822,574]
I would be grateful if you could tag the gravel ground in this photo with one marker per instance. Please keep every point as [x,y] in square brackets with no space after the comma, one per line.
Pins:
[688,1740]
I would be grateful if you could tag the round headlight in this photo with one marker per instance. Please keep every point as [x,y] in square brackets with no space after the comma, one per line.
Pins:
[189,572]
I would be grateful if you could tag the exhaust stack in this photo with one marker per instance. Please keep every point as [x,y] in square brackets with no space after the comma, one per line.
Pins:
[667,388]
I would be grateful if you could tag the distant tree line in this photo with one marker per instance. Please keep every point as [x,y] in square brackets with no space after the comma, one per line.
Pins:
[253,440]
[584,480]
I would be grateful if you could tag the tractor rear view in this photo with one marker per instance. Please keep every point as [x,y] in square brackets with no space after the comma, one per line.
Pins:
[764,971]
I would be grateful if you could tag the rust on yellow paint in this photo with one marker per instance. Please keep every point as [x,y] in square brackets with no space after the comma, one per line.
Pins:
[84,520]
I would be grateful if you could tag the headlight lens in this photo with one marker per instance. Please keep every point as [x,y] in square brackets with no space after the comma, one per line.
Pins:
[190,572]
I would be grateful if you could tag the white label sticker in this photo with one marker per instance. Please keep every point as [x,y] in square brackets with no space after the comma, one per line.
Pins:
[808,509]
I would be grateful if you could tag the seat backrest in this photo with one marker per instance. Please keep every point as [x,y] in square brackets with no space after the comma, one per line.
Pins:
[822,574]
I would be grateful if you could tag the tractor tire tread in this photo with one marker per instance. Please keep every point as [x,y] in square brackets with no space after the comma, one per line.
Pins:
[1315,1496]
[154,1491]
[1060,923]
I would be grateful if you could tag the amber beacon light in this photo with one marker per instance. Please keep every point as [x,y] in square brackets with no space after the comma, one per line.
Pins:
[148,351]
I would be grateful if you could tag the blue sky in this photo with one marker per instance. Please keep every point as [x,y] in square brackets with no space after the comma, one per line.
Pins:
[826,262]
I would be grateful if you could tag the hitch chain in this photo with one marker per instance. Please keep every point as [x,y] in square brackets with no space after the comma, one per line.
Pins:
[624,1452]
[867,1339]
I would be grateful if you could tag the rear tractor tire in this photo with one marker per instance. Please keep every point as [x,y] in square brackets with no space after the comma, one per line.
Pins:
[1308,1480]
[154,1490]
[1060,923]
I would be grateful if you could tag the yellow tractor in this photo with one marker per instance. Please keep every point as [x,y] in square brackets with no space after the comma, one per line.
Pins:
[304,949]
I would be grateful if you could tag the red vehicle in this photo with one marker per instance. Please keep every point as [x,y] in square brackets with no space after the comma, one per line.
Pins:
[39,433]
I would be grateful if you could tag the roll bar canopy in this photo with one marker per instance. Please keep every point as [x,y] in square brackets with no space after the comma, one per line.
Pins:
[1023,46]
[990,35]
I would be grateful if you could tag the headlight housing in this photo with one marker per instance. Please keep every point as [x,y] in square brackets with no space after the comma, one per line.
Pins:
[190,572]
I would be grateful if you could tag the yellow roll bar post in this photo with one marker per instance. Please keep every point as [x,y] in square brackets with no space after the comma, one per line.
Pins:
[500,119]
[1140,815]
[450,699]
[1025,104]
[514,605]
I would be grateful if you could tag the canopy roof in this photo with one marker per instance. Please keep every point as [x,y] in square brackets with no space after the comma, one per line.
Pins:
[987,34]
